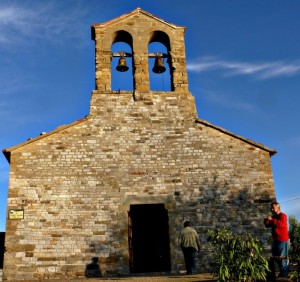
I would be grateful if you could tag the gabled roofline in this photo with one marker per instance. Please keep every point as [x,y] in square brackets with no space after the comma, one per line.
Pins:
[7,151]
[249,141]
[137,10]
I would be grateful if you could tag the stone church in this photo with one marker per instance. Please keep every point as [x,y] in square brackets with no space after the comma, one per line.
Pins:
[116,186]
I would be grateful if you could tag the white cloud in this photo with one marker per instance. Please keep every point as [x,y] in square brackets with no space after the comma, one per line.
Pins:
[19,23]
[220,99]
[264,70]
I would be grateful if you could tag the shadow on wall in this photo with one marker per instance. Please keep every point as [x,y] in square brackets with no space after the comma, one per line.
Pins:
[92,270]
[218,203]
[221,203]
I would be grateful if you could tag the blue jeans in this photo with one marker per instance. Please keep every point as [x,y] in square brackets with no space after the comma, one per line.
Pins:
[280,249]
[189,259]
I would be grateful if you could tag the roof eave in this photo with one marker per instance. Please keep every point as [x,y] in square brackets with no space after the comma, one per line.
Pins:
[7,151]
[249,141]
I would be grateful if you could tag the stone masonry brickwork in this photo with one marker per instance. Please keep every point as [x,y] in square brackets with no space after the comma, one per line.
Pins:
[76,183]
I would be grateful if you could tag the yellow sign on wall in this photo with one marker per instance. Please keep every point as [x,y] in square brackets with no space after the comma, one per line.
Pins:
[16,214]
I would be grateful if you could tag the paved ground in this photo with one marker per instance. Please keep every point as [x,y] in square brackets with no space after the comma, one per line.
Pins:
[166,278]
[169,278]
[179,278]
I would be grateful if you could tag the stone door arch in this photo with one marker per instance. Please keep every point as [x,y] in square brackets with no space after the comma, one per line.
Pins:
[148,238]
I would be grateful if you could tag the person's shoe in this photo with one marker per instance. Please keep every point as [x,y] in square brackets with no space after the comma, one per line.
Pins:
[283,275]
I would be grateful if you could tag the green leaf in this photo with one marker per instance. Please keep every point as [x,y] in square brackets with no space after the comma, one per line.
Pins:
[237,257]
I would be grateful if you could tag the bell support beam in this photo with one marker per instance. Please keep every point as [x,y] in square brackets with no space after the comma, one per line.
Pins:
[121,54]
[150,55]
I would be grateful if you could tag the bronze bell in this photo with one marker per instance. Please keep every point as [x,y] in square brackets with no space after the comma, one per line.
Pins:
[158,66]
[122,66]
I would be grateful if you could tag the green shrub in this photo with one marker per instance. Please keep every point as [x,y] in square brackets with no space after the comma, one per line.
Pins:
[294,251]
[294,230]
[237,257]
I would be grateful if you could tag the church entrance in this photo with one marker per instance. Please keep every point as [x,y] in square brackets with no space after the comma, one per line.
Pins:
[148,238]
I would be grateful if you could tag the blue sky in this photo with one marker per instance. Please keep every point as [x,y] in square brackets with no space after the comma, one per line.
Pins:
[243,60]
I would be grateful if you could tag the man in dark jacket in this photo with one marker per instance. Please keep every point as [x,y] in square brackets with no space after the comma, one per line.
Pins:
[280,234]
[190,244]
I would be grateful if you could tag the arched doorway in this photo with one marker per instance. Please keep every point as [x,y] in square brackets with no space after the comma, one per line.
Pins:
[149,243]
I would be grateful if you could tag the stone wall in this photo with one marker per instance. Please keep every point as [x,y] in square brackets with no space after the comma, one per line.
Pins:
[76,184]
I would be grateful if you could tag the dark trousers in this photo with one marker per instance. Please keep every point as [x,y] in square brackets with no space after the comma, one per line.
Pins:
[280,253]
[189,259]
[280,256]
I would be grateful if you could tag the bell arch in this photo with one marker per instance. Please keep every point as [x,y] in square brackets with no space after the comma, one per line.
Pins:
[140,29]
[159,62]
[122,61]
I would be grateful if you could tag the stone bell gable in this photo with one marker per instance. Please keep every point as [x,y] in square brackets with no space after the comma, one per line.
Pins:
[116,186]
[139,28]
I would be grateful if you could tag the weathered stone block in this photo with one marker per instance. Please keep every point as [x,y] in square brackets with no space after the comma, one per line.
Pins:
[79,184]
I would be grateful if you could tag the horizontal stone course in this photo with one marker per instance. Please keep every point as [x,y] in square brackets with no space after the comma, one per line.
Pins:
[77,184]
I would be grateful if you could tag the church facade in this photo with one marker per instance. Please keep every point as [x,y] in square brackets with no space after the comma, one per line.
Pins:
[118,184]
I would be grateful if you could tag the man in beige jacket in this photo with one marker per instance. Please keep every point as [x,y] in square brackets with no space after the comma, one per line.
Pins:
[190,244]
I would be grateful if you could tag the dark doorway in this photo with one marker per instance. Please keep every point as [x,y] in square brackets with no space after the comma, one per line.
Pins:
[149,243]
[2,248]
